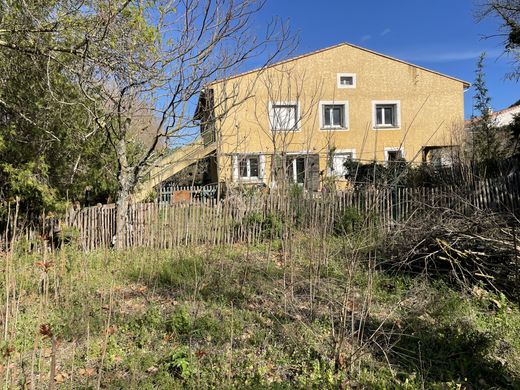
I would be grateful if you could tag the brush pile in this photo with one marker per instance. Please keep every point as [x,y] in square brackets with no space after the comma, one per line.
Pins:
[482,248]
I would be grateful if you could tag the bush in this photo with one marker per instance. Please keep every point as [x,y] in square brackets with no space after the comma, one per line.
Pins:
[271,224]
[350,221]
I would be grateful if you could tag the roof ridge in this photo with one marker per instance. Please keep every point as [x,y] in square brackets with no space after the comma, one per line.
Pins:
[314,52]
[298,57]
[408,63]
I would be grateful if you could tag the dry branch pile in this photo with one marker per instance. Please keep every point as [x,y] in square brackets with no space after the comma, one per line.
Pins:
[465,250]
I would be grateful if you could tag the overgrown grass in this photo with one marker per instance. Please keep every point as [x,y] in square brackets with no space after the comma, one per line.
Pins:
[249,317]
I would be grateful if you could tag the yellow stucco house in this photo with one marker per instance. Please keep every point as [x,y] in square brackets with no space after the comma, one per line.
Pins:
[305,116]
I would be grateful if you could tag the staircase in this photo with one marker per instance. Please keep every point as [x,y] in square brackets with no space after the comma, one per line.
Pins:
[169,165]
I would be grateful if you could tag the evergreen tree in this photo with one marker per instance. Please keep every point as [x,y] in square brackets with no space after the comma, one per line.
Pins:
[486,147]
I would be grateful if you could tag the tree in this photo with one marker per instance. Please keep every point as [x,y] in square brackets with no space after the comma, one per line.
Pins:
[285,83]
[49,150]
[131,57]
[508,11]
[514,130]
[486,145]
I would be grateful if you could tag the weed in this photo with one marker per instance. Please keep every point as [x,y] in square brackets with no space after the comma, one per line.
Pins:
[239,316]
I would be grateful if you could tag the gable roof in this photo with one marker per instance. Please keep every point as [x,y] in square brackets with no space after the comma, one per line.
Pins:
[312,53]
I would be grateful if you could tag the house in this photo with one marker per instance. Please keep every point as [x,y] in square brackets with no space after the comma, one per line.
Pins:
[500,118]
[302,118]
[505,117]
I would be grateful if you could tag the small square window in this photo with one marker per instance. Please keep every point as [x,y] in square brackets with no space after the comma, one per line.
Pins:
[284,116]
[346,80]
[334,115]
[394,154]
[386,114]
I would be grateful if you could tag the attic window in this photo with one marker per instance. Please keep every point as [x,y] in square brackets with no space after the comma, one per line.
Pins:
[346,80]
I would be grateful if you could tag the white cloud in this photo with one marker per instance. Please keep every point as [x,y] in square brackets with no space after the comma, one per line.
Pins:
[365,38]
[384,32]
[449,56]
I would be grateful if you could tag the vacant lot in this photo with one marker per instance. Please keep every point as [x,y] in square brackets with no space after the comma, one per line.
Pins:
[304,312]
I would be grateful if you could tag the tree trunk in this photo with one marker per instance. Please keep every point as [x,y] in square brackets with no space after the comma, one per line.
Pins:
[122,205]
[126,179]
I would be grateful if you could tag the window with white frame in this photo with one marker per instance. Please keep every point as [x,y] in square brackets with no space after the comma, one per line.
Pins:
[248,167]
[334,115]
[339,160]
[346,80]
[394,154]
[296,169]
[386,114]
[284,116]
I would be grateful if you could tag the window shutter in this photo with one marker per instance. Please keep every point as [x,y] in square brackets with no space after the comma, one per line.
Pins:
[235,168]
[261,166]
[313,181]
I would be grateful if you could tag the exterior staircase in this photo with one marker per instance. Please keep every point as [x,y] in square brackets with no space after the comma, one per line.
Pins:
[175,162]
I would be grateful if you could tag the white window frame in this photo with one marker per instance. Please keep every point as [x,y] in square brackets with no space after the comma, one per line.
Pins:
[394,149]
[397,104]
[294,167]
[354,80]
[284,103]
[346,115]
[236,158]
[247,158]
[339,152]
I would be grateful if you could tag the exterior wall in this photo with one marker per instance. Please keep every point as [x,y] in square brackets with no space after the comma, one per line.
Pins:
[430,106]
[505,117]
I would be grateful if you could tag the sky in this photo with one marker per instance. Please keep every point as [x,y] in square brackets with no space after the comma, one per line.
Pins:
[442,35]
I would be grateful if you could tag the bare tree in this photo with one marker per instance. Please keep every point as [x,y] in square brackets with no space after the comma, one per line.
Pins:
[133,57]
[508,12]
[288,107]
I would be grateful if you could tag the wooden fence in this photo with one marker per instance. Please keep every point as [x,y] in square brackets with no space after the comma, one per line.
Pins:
[254,218]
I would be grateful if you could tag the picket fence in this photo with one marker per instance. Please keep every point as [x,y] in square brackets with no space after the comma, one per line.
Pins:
[239,218]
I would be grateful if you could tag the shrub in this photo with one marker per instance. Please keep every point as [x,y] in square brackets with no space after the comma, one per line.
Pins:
[348,222]
[271,224]
[178,363]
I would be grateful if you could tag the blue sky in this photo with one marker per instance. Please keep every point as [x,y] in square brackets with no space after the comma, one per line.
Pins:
[440,35]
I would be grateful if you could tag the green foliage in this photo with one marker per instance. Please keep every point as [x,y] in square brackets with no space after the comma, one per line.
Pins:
[178,363]
[176,321]
[486,146]
[179,322]
[514,130]
[151,197]
[50,151]
[350,221]
[29,182]
[271,224]
[393,173]
[296,191]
